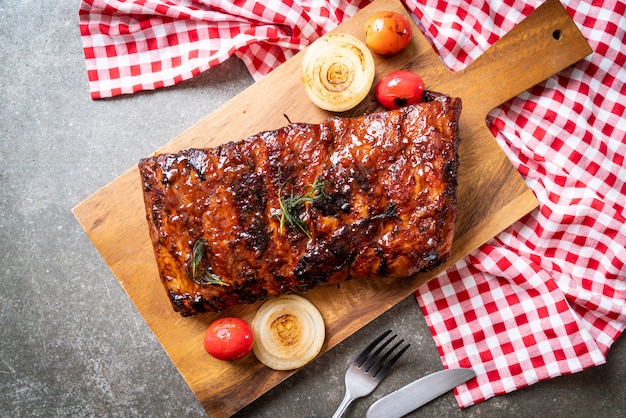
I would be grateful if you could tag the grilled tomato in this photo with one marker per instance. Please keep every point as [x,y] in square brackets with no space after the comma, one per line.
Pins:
[387,32]
[399,88]
[228,338]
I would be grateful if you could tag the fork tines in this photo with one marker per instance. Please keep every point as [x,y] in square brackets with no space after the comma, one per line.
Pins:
[374,365]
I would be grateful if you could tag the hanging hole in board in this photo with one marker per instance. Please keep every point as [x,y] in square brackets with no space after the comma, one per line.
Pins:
[557,34]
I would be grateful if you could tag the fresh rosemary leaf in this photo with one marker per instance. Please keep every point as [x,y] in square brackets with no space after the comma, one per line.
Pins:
[192,268]
[210,278]
[196,256]
[290,205]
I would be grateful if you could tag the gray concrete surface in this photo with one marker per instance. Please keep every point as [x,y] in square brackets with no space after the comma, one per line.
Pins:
[71,342]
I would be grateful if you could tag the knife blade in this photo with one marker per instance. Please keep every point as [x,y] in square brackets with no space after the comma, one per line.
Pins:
[418,393]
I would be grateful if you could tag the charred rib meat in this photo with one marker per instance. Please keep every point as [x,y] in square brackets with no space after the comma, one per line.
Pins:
[286,210]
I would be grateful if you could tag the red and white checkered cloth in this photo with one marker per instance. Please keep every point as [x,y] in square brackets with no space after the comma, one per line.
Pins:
[148,44]
[545,297]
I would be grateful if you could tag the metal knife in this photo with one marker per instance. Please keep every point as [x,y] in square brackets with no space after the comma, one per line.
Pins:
[418,393]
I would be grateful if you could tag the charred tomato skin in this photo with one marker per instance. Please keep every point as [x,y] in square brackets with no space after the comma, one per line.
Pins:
[399,88]
[387,32]
[228,338]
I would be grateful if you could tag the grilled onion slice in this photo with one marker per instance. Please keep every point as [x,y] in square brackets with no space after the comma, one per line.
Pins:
[288,332]
[337,72]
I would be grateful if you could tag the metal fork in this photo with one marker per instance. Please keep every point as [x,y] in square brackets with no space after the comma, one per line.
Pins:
[368,370]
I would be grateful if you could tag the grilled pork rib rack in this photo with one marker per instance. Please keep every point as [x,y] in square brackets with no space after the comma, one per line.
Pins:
[286,210]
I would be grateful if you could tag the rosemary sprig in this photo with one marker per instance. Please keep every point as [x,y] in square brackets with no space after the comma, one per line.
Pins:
[196,257]
[210,278]
[290,205]
[192,268]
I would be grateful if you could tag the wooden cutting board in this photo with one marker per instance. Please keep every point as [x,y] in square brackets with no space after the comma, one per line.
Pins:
[491,193]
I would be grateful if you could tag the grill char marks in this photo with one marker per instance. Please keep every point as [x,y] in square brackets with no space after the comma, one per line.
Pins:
[387,206]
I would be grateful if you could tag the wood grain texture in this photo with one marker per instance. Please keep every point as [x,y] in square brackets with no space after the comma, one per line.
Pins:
[491,193]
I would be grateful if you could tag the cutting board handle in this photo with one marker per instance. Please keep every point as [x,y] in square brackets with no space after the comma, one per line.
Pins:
[544,43]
